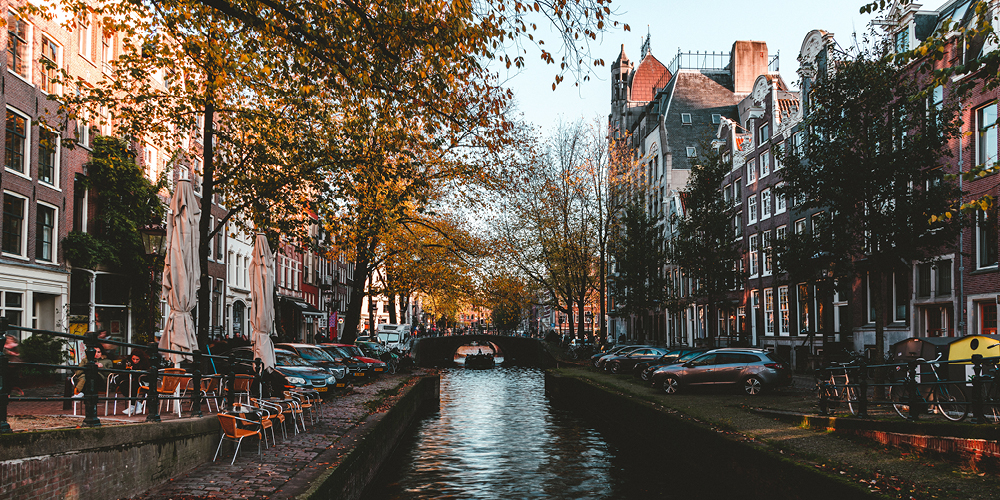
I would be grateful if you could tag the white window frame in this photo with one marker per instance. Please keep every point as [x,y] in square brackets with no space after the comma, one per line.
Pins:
[27,144]
[57,162]
[765,248]
[751,172]
[783,318]
[692,152]
[752,209]
[55,231]
[779,152]
[982,155]
[765,204]
[685,118]
[779,201]
[56,88]
[765,164]
[28,57]
[85,38]
[752,254]
[24,228]
[738,224]
[716,118]
[769,311]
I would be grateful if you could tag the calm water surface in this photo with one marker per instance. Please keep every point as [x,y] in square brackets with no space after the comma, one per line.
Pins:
[498,436]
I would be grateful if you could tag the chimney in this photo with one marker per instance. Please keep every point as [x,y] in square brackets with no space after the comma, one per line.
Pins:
[748,60]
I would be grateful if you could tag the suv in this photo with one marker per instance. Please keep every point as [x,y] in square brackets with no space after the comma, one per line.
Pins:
[319,358]
[753,370]
[290,371]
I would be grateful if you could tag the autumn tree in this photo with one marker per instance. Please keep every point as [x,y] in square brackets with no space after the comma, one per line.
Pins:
[637,248]
[872,161]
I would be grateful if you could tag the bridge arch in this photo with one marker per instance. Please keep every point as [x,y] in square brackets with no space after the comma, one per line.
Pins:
[517,351]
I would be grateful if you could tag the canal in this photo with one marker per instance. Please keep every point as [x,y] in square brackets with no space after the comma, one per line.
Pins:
[497,435]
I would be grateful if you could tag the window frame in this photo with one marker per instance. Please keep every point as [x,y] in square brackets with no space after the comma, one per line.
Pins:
[692,152]
[765,204]
[769,311]
[751,171]
[765,164]
[54,232]
[25,147]
[986,136]
[985,235]
[783,311]
[686,119]
[12,48]
[23,236]
[752,209]
[56,154]
[46,86]
[752,255]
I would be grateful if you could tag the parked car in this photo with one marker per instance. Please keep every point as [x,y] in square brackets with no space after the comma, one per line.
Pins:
[605,352]
[290,371]
[640,369]
[316,356]
[753,370]
[621,363]
[393,335]
[376,350]
[602,361]
[353,357]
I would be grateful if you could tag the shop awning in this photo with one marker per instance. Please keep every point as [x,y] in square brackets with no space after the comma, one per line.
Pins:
[306,308]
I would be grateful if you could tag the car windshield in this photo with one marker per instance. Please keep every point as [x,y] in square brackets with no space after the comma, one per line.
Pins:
[337,351]
[369,349]
[287,359]
[352,350]
[388,337]
[689,356]
[314,354]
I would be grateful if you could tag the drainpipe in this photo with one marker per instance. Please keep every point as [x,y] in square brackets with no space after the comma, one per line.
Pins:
[961,244]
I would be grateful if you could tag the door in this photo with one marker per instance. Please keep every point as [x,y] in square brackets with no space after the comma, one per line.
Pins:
[699,370]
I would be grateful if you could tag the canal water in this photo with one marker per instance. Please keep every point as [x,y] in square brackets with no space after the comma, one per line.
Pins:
[497,435]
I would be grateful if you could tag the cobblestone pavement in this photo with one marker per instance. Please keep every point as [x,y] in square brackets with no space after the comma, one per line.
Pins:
[263,476]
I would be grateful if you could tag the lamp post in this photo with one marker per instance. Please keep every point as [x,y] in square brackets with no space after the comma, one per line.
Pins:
[154,238]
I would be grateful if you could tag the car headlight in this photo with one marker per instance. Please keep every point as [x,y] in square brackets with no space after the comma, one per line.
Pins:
[331,379]
[296,380]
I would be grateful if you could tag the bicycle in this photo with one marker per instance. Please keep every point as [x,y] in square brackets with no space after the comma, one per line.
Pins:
[838,386]
[938,395]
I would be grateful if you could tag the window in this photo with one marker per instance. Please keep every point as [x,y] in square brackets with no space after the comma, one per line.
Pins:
[803,296]
[48,157]
[737,194]
[988,318]
[686,118]
[924,280]
[45,232]
[765,164]
[901,297]
[800,226]
[107,53]
[17,142]
[716,118]
[741,319]
[50,64]
[783,310]
[780,234]
[13,224]
[779,154]
[752,210]
[85,35]
[986,240]
[779,201]
[13,307]
[738,225]
[817,223]
[935,103]
[18,46]
[763,133]
[726,194]
[986,137]
[943,278]
[150,158]
[765,204]
[752,254]
[692,152]
[769,311]
[219,244]
[902,40]
[751,173]
[799,142]
[765,247]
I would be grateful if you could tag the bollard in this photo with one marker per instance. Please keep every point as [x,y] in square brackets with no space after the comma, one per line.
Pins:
[153,394]
[977,390]
[231,384]
[196,385]
[862,389]
[913,390]
[824,397]
[258,377]
[90,384]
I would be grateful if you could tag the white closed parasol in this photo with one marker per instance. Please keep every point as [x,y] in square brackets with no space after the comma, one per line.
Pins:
[262,301]
[180,272]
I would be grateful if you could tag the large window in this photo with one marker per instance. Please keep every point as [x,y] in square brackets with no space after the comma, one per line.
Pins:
[751,209]
[943,277]
[45,232]
[765,164]
[783,310]
[765,248]
[17,142]
[986,240]
[85,37]
[901,297]
[764,134]
[13,307]
[48,157]
[803,296]
[765,204]
[751,173]
[769,311]
[753,255]
[986,137]
[51,60]
[13,224]
[988,318]
[779,202]
[18,46]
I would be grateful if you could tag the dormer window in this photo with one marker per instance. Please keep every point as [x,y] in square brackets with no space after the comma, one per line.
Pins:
[685,118]
[716,118]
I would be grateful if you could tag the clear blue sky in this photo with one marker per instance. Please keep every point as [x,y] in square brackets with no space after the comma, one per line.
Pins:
[691,26]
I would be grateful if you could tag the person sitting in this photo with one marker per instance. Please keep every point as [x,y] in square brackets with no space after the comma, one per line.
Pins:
[81,378]
[128,384]
[13,356]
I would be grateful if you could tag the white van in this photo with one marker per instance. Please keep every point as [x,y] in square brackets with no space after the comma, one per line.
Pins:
[393,335]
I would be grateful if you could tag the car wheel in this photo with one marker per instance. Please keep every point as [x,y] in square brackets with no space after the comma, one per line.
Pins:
[670,385]
[753,386]
[616,367]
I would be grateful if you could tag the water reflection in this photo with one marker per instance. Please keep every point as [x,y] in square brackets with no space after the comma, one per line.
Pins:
[497,436]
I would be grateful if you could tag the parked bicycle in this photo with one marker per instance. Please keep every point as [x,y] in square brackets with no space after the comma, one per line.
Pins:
[929,391]
[837,385]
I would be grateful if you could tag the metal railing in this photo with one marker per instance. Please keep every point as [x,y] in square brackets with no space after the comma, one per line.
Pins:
[715,61]
[914,388]
[92,374]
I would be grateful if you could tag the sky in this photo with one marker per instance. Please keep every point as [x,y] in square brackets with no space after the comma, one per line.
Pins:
[691,26]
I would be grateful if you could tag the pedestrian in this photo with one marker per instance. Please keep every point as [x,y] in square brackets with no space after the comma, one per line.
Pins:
[13,355]
[81,378]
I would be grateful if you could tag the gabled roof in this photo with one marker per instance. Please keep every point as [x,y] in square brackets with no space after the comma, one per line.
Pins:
[647,76]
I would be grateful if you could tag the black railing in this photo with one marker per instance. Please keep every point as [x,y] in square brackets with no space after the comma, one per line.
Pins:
[914,388]
[93,372]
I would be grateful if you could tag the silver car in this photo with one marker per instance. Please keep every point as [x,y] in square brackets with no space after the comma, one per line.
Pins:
[753,370]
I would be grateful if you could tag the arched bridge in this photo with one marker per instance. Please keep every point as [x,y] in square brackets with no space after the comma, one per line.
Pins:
[516,351]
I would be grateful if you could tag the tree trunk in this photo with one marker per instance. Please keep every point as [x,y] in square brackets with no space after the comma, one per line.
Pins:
[354,302]
[878,300]
[391,297]
[581,318]
[204,246]
[404,306]
[602,298]
[712,322]
[569,318]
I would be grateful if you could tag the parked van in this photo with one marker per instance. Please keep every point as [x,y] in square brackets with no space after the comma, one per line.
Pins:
[393,335]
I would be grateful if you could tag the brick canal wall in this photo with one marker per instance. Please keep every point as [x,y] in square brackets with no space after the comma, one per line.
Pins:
[373,441]
[697,452]
[103,462]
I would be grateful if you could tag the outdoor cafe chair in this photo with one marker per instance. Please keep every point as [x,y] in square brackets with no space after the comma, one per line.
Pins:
[242,385]
[274,415]
[305,403]
[265,420]
[293,410]
[210,391]
[232,432]
[170,380]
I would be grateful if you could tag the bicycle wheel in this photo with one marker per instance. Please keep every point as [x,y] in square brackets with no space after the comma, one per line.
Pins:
[900,400]
[991,401]
[951,402]
[851,398]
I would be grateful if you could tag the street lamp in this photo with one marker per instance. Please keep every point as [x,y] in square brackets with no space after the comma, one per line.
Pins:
[154,237]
